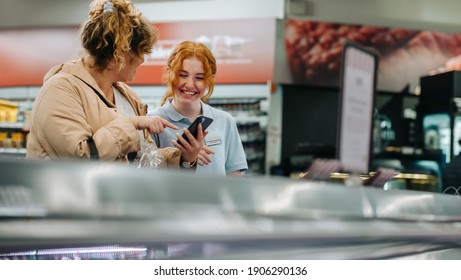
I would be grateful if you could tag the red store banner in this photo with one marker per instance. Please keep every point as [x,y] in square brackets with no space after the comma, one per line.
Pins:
[27,54]
[244,49]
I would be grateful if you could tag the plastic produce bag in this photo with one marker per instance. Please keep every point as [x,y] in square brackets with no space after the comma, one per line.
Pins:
[150,156]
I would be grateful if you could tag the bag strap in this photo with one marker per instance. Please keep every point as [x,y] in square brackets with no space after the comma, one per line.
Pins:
[93,150]
[95,91]
[94,154]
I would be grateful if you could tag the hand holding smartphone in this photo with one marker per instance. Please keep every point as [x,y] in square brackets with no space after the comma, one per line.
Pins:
[193,128]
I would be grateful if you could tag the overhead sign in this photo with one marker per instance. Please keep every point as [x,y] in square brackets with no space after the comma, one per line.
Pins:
[244,49]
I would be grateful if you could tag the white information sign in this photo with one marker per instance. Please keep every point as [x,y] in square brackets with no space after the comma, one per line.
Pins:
[358,86]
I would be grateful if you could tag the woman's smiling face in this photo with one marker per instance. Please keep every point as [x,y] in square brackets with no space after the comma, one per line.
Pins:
[191,84]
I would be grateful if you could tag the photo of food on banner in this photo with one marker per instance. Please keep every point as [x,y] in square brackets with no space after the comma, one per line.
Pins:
[314,50]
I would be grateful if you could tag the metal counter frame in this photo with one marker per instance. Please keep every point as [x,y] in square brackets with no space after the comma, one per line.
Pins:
[79,207]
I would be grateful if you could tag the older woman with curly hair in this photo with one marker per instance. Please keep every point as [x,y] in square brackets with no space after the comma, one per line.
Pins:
[86,110]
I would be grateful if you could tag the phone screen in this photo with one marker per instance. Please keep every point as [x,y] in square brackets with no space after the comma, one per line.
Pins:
[193,128]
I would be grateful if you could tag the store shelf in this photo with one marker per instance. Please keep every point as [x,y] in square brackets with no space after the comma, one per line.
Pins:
[250,114]
[13,151]
[13,139]
[17,125]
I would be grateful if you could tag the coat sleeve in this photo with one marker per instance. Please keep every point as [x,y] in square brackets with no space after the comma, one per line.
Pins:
[171,155]
[63,124]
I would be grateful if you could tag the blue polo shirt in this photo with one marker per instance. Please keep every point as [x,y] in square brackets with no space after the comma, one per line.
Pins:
[223,137]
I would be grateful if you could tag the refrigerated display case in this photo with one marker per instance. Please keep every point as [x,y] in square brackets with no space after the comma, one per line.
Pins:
[250,115]
[439,113]
[96,210]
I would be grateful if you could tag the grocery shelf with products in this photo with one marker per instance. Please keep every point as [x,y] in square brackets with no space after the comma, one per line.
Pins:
[251,117]
[14,123]
[13,139]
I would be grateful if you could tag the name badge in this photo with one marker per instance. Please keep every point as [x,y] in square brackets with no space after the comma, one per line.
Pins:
[212,141]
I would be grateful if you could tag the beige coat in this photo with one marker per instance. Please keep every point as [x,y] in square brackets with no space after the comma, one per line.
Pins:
[67,113]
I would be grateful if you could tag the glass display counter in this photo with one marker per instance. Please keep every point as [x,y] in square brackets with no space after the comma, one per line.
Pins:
[95,210]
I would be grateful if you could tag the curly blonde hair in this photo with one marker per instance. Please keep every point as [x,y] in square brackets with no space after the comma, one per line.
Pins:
[184,50]
[112,33]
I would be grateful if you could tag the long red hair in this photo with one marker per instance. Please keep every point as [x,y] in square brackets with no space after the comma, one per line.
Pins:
[185,50]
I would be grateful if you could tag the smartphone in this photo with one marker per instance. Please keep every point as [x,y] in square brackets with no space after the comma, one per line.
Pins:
[193,128]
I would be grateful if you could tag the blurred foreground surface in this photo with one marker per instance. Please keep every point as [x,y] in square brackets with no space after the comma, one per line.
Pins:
[94,210]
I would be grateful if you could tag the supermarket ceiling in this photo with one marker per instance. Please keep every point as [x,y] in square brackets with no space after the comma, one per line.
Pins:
[25,13]
[441,15]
